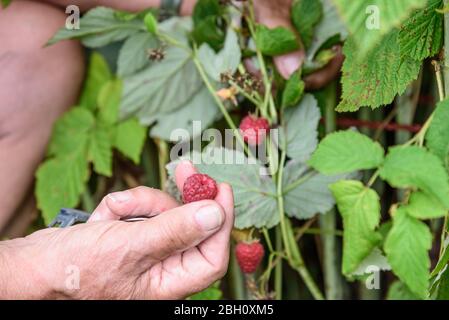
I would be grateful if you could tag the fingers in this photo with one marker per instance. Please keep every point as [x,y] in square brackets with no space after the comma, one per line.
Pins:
[289,63]
[184,170]
[216,248]
[176,230]
[321,78]
[140,201]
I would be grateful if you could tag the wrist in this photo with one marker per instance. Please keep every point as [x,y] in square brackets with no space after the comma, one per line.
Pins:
[18,276]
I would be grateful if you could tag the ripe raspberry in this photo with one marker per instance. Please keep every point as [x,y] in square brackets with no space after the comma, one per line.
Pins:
[249,255]
[254,130]
[199,187]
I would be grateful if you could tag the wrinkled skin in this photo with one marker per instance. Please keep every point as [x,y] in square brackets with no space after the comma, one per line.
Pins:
[179,251]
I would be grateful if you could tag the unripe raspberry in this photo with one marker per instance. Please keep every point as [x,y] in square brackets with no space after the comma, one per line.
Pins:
[199,187]
[254,129]
[249,255]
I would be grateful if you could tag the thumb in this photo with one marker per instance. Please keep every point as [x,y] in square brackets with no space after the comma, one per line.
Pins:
[177,230]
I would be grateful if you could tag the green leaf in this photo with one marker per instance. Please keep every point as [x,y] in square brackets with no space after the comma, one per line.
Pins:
[376,79]
[421,36]
[424,206]
[346,151]
[437,136]
[306,192]
[443,286]
[100,150]
[206,16]
[150,23]
[330,26]
[294,90]
[130,138]
[360,209]
[415,167]
[301,128]
[99,27]
[305,15]
[163,87]
[98,74]
[370,21]
[374,259]
[407,248]
[6,3]
[61,181]
[201,108]
[399,291]
[211,293]
[109,100]
[133,55]
[228,59]
[71,132]
[254,190]
[277,41]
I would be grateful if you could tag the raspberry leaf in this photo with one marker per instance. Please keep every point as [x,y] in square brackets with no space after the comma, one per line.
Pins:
[360,208]
[369,21]
[424,206]
[227,60]
[306,192]
[98,74]
[346,151]
[421,36]
[277,41]
[99,27]
[400,291]
[305,15]
[415,167]
[436,138]
[201,108]
[294,89]
[100,150]
[61,181]
[130,138]
[133,55]
[108,102]
[375,79]
[301,129]
[407,247]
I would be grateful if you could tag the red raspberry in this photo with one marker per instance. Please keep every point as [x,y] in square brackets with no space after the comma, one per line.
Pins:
[249,255]
[254,130]
[199,187]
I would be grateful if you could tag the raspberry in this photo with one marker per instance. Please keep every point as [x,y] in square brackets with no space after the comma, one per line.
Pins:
[254,130]
[199,187]
[249,255]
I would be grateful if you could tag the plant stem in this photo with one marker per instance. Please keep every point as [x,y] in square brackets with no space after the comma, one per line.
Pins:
[219,103]
[446,49]
[163,157]
[278,268]
[236,280]
[87,200]
[328,222]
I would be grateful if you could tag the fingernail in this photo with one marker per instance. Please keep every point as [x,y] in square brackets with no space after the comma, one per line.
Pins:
[289,63]
[209,218]
[120,197]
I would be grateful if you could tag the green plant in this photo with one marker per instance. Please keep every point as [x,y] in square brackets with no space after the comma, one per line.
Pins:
[196,73]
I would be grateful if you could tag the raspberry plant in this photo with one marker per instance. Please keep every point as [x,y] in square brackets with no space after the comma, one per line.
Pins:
[181,70]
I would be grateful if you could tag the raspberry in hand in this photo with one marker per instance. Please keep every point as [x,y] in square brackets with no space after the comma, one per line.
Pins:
[199,187]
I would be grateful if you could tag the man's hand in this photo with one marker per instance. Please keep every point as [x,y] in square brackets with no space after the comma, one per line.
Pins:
[180,250]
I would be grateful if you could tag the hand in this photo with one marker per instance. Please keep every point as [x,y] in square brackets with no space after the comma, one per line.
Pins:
[179,251]
[277,14]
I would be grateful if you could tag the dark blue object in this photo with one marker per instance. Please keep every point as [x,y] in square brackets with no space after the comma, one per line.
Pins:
[69,217]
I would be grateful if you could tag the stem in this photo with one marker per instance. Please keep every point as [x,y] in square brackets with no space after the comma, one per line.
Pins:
[220,104]
[328,222]
[236,280]
[446,51]
[163,158]
[278,268]
[87,200]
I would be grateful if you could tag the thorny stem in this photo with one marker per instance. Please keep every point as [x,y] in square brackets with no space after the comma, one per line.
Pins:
[163,157]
